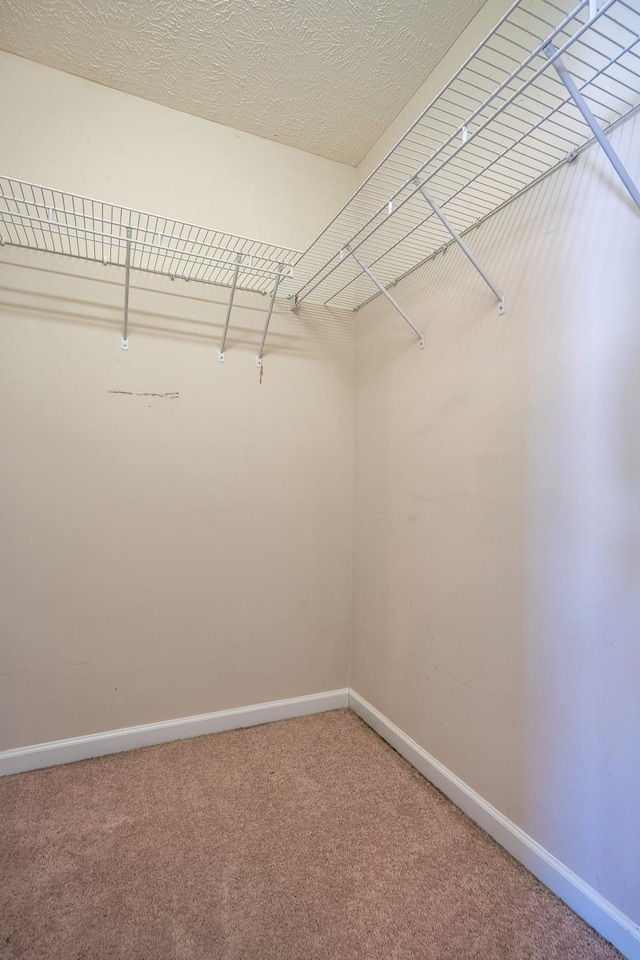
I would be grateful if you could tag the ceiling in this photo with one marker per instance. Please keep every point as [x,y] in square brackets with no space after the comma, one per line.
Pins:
[326,76]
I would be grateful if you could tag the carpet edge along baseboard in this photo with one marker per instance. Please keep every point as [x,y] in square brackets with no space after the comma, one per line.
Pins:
[22,759]
[602,915]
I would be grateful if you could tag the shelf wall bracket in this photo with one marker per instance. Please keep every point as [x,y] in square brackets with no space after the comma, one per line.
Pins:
[229,307]
[458,239]
[127,273]
[592,123]
[383,290]
[269,312]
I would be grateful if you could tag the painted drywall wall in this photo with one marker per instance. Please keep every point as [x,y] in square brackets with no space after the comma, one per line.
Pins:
[483,22]
[176,536]
[72,134]
[497,523]
[325,78]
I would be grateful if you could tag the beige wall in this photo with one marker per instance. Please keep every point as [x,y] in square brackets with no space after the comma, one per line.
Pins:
[497,522]
[163,557]
[69,133]
[168,556]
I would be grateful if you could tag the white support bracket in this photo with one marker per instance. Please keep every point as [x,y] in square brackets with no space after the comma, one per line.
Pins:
[463,246]
[229,307]
[592,123]
[269,312]
[383,290]
[124,343]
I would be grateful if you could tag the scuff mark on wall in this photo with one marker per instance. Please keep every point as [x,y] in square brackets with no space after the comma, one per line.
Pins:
[169,395]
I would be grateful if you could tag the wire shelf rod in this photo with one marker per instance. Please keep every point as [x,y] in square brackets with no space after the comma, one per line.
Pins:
[402,239]
[386,293]
[437,251]
[505,17]
[125,328]
[309,286]
[229,307]
[177,256]
[594,126]
[126,210]
[259,358]
[531,56]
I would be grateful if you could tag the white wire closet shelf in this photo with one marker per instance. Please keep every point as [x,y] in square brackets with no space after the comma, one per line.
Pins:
[511,114]
[55,221]
[546,82]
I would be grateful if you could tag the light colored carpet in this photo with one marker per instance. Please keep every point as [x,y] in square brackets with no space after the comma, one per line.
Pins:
[304,839]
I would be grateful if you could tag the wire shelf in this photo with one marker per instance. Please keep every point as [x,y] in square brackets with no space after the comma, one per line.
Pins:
[502,123]
[42,218]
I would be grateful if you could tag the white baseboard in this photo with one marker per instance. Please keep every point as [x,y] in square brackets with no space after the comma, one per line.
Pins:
[583,899]
[22,759]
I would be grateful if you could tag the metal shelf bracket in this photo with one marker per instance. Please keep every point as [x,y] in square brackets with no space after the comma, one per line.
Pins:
[503,122]
[269,312]
[458,239]
[124,343]
[394,303]
[229,307]
[588,117]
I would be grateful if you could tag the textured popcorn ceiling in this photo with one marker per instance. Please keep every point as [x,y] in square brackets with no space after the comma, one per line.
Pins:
[326,76]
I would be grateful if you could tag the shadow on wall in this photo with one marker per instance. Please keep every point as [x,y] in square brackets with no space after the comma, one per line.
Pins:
[582,676]
[497,553]
[42,285]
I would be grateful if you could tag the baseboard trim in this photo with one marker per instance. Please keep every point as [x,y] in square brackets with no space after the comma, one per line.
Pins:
[583,899]
[51,754]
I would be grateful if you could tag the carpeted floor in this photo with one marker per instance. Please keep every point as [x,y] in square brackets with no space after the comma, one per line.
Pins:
[304,839]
